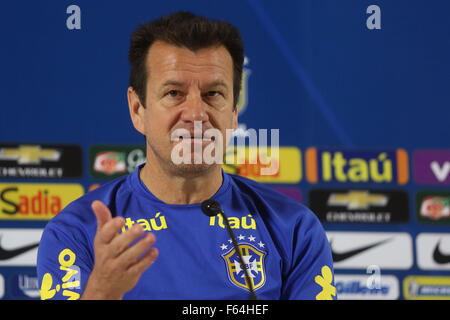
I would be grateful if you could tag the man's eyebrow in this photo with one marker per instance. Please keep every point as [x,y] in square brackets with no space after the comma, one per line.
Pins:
[175,83]
[172,83]
[217,83]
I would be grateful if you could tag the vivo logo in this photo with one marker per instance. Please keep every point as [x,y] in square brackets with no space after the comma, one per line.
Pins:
[432,166]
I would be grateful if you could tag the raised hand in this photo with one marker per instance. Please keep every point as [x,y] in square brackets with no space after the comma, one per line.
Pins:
[118,264]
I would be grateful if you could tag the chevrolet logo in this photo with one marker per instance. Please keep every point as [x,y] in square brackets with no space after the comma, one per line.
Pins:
[26,154]
[357,200]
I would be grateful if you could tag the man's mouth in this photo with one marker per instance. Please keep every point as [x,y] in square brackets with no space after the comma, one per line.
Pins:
[196,138]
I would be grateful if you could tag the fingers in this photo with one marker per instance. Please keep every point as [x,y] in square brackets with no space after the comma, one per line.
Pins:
[107,227]
[120,257]
[131,255]
[102,213]
[145,262]
[120,246]
[120,243]
[110,230]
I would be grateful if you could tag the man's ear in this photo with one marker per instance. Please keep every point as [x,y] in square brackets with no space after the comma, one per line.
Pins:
[136,110]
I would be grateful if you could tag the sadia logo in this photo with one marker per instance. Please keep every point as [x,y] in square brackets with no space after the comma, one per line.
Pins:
[32,201]
[432,166]
[388,167]
[250,162]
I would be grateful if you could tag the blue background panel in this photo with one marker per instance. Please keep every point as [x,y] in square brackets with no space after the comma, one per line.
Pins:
[316,73]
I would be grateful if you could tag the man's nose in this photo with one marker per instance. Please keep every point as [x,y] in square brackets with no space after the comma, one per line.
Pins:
[194,108]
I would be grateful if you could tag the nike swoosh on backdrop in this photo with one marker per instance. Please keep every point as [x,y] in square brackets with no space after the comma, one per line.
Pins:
[340,256]
[439,257]
[6,254]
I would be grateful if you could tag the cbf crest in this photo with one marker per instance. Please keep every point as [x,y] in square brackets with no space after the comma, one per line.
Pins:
[253,254]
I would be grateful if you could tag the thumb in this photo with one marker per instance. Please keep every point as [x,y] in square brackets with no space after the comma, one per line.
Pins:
[102,213]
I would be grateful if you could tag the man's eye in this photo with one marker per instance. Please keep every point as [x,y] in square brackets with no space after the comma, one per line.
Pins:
[173,93]
[213,93]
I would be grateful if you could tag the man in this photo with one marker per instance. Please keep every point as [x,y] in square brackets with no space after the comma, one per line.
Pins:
[144,236]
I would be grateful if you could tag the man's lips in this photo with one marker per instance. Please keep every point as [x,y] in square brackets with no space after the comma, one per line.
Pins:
[193,140]
[196,138]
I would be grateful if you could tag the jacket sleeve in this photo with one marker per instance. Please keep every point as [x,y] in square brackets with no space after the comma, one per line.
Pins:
[65,259]
[311,275]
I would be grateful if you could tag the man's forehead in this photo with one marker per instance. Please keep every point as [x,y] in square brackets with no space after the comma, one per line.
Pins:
[169,59]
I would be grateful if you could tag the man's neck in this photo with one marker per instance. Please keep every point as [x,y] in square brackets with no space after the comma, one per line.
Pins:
[176,189]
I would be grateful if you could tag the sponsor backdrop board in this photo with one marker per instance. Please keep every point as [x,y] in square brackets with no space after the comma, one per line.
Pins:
[358,91]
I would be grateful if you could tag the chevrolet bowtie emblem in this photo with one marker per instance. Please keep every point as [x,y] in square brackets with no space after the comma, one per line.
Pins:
[27,154]
[357,200]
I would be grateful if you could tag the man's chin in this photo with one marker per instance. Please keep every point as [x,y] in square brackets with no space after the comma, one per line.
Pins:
[193,170]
